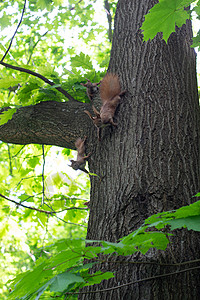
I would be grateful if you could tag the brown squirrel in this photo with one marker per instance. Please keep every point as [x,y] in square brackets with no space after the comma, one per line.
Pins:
[92,88]
[80,162]
[96,121]
[110,93]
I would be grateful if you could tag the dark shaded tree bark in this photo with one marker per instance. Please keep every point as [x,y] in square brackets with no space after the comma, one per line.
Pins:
[49,122]
[150,162]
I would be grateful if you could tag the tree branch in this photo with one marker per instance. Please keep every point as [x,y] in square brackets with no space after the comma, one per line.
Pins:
[41,210]
[29,207]
[136,281]
[15,32]
[61,90]
[10,161]
[109,17]
[50,123]
[43,165]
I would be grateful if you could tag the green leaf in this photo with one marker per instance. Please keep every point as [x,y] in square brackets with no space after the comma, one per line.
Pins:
[8,82]
[191,223]
[44,4]
[163,17]
[141,242]
[66,151]
[186,216]
[82,60]
[7,115]
[196,43]
[62,281]
[4,20]
[98,276]
[39,276]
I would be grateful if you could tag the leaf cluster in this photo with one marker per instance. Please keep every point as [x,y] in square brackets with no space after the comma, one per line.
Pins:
[166,15]
[65,269]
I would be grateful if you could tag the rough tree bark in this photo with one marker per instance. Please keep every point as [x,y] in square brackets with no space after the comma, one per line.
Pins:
[150,162]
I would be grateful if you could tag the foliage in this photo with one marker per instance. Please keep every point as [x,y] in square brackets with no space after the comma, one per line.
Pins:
[62,270]
[166,15]
[43,217]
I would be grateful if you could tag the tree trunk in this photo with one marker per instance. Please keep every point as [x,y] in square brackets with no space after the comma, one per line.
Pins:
[150,162]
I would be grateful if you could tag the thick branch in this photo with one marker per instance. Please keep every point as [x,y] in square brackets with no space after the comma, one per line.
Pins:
[50,123]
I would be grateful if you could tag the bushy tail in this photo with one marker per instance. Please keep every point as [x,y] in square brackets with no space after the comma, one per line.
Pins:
[78,143]
[109,87]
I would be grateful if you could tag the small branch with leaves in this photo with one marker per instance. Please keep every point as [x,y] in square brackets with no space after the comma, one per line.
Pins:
[41,210]
[61,90]
[136,281]
[51,83]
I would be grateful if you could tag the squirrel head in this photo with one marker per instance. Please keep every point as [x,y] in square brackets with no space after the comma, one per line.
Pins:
[105,118]
[75,164]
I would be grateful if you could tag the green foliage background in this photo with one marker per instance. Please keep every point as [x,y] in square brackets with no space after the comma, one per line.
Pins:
[63,41]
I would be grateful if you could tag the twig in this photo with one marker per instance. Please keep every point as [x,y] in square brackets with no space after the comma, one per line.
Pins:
[26,178]
[15,32]
[71,223]
[61,90]
[148,262]
[134,282]
[43,155]
[19,151]
[75,5]
[109,17]
[10,160]
[39,39]
[53,213]
[41,210]
[25,206]
[71,208]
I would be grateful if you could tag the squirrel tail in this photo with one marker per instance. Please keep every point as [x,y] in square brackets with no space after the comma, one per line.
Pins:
[109,87]
[80,142]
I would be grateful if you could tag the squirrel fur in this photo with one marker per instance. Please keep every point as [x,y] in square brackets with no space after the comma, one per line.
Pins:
[92,88]
[96,121]
[110,93]
[80,162]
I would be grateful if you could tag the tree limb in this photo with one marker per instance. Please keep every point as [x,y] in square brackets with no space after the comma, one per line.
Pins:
[41,210]
[50,123]
[61,90]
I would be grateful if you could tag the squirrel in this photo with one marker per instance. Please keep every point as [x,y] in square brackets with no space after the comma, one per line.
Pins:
[92,88]
[96,121]
[110,93]
[80,162]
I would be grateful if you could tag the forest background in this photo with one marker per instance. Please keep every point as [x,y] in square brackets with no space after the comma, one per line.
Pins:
[42,199]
